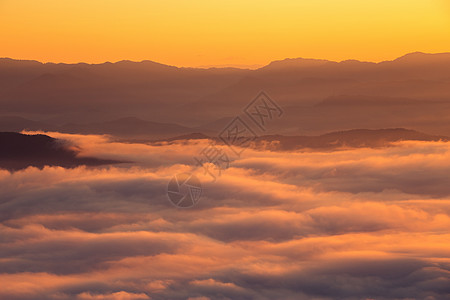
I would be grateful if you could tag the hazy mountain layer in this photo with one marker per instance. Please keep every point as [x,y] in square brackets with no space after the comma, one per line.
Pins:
[317,96]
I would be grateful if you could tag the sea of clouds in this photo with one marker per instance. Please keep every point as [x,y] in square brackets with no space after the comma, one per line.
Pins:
[349,224]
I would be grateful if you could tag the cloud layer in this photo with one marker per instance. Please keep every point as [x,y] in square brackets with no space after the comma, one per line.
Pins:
[352,224]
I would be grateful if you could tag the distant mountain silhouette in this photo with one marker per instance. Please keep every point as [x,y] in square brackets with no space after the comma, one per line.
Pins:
[356,138]
[129,127]
[19,151]
[318,96]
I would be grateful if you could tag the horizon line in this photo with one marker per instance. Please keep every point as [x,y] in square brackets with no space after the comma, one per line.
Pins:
[226,66]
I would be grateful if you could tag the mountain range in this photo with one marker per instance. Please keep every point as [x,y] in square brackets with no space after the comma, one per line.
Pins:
[355,138]
[152,100]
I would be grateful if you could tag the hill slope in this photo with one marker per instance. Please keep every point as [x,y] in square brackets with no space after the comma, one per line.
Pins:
[19,151]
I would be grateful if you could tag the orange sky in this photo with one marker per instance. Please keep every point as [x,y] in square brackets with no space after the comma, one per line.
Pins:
[212,32]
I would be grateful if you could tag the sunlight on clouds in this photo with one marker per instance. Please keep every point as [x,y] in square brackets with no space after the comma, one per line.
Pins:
[288,221]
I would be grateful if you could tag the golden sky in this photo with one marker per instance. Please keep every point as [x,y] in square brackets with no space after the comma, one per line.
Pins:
[212,32]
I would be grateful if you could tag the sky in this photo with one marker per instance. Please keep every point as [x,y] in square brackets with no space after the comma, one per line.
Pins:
[210,32]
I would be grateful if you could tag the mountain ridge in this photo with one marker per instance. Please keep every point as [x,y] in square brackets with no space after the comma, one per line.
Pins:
[368,93]
[354,138]
[295,60]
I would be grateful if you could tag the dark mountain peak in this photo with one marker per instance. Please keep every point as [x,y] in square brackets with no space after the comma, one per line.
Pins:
[14,138]
[20,151]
